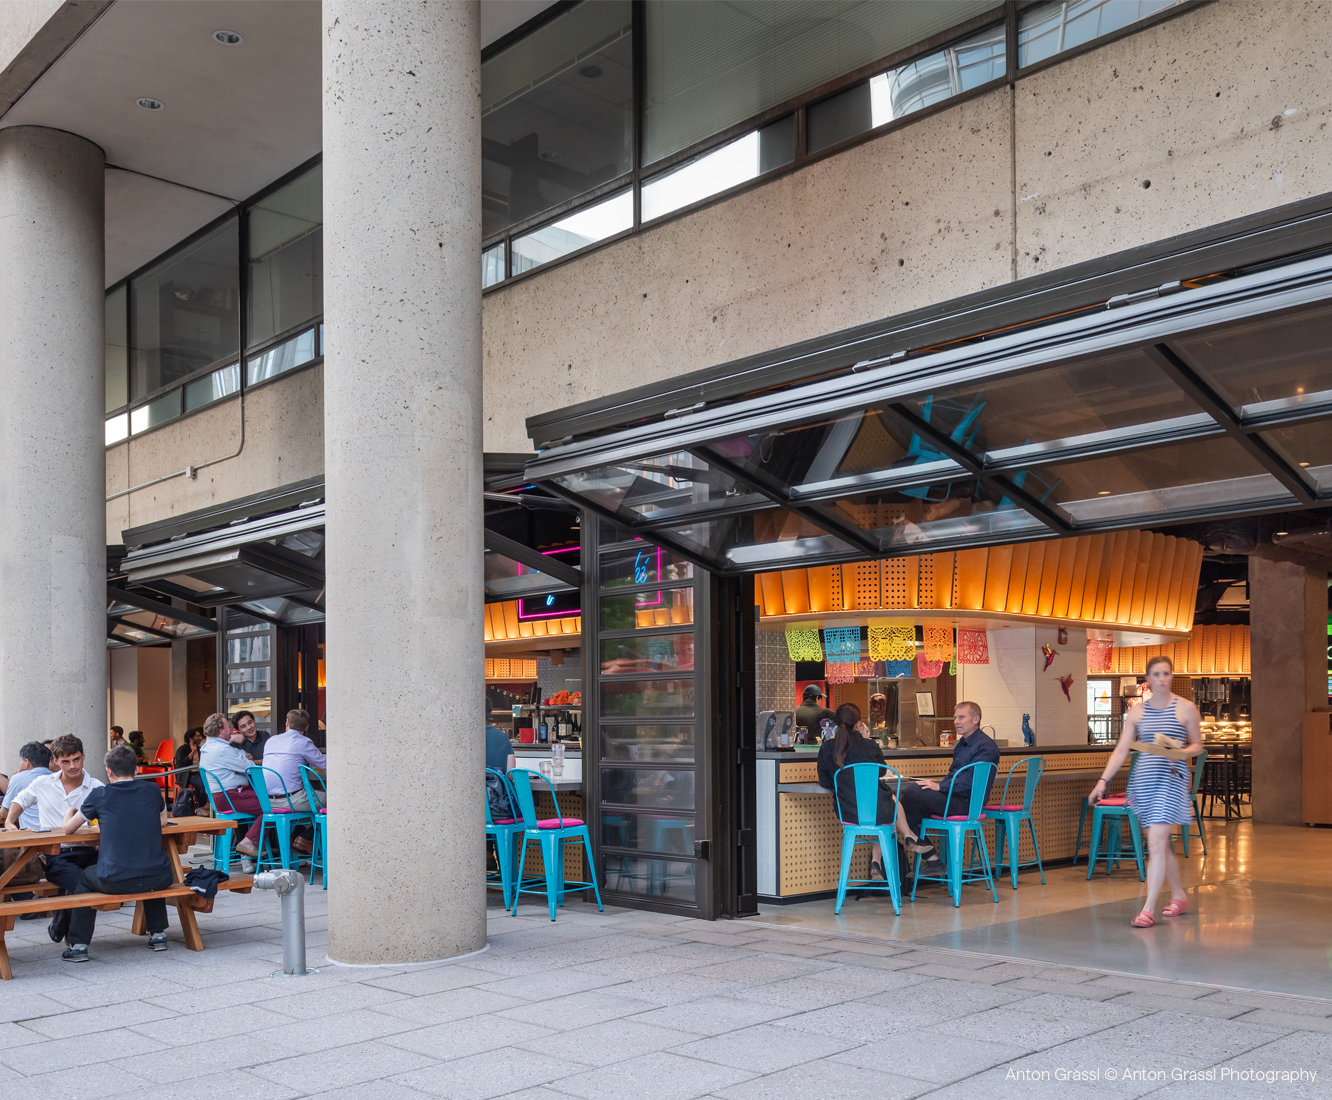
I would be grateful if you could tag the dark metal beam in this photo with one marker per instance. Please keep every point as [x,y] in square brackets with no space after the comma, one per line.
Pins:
[1202,394]
[533,559]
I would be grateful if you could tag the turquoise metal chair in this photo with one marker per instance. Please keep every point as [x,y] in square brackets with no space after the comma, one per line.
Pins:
[316,796]
[283,819]
[1199,762]
[864,830]
[959,828]
[1117,812]
[222,842]
[1008,817]
[503,831]
[1114,799]
[551,834]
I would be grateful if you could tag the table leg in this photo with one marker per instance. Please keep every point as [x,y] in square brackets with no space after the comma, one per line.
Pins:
[189,925]
[6,972]
[20,861]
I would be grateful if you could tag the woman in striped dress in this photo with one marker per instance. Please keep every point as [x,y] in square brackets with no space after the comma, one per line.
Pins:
[1160,788]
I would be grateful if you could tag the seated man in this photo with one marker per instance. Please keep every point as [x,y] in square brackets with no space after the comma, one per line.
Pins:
[928,798]
[135,740]
[129,813]
[249,738]
[187,757]
[34,763]
[52,795]
[284,754]
[226,764]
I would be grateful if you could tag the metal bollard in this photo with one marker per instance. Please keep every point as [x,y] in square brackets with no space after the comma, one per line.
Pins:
[290,887]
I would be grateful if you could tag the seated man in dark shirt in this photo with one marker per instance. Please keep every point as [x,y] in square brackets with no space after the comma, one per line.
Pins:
[928,798]
[129,813]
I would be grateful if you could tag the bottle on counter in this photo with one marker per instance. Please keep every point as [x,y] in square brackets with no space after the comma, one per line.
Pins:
[543,734]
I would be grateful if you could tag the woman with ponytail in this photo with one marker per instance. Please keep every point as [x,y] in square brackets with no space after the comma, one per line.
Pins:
[852,744]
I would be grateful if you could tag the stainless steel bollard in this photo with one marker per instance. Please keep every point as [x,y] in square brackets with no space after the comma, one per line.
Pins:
[290,887]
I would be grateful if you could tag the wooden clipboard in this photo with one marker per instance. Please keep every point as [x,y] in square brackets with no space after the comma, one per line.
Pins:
[1159,750]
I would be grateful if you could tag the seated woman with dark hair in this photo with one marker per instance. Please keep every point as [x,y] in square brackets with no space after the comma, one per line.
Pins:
[851,744]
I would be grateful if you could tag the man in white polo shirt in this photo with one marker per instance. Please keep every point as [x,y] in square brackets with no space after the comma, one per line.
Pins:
[52,795]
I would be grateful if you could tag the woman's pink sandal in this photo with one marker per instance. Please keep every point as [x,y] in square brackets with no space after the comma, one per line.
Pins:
[1143,919]
[1177,907]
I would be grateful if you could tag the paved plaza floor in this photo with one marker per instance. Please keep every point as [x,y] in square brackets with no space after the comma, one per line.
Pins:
[627,1006]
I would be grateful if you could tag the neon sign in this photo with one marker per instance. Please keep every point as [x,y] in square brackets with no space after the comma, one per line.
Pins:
[554,605]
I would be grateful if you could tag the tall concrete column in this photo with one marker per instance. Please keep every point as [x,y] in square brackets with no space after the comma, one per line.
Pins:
[1288,662]
[402,448]
[53,667]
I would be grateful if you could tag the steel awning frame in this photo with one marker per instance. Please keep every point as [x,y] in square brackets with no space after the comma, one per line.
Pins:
[139,602]
[151,559]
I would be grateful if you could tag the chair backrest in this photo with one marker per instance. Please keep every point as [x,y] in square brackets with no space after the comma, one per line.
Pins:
[522,789]
[865,777]
[166,752]
[1035,766]
[255,774]
[1199,763]
[490,817]
[981,778]
[213,787]
[314,795]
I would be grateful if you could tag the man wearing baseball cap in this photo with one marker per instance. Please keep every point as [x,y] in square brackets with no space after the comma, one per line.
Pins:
[812,711]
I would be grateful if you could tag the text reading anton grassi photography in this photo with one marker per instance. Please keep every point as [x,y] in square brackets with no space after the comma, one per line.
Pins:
[1227,1074]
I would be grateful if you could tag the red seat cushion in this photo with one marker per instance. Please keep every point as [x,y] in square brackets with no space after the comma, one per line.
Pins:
[1006,808]
[555,822]
[1118,800]
[953,817]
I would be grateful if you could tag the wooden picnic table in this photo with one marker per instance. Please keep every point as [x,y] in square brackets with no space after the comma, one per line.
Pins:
[177,835]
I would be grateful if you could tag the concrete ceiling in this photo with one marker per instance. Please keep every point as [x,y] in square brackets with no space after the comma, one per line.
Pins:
[234,119]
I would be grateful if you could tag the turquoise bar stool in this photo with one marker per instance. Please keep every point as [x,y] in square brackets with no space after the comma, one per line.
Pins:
[284,819]
[1198,762]
[503,831]
[1115,811]
[865,778]
[1008,817]
[222,842]
[1082,817]
[551,834]
[315,793]
[959,828]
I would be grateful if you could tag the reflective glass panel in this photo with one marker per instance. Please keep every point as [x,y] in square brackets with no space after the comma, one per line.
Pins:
[117,348]
[659,487]
[157,411]
[1209,473]
[647,698]
[733,164]
[286,238]
[185,315]
[648,654]
[1308,446]
[899,92]
[656,878]
[248,678]
[289,355]
[492,265]
[648,610]
[1271,364]
[1049,29]
[261,706]
[578,230]
[648,833]
[213,387]
[648,743]
[777,537]
[117,428]
[164,623]
[660,787]
[256,647]
[557,113]
[642,563]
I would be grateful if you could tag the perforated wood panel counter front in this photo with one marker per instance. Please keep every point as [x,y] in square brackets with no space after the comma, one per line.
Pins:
[808,835]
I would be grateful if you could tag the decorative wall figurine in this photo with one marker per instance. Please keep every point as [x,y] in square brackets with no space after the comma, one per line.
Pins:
[1066,682]
[1028,734]
[1050,654]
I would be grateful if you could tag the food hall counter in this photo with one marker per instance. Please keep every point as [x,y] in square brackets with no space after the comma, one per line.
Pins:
[800,837]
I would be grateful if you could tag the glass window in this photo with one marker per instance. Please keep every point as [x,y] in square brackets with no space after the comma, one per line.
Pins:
[185,315]
[733,164]
[587,226]
[710,66]
[1049,29]
[557,113]
[785,539]
[286,240]
[212,387]
[663,788]
[1308,446]
[657,878]
[659,487]
[255,647]
[898,92]
[648,833]
[642,563]
[296,352]
[117,348]
[647,698]
[117,428]
[648,743]
[647,610]
[492,265]
[648,654]
[156,412]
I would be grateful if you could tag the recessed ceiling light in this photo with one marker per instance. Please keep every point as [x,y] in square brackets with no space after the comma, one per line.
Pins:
[148,103]
[549,155]
[590,72]
[227,38]
[1283,532]
[1103,493]
[1304,464]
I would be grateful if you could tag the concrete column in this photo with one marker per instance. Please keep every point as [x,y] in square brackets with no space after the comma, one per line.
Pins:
[53,665]
[402,446]
[1287,653]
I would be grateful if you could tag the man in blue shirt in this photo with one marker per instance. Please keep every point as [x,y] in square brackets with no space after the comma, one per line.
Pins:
[35,761]
[929,798]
